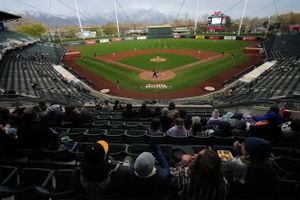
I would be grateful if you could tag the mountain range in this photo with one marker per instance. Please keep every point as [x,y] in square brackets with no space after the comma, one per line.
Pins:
[149,16]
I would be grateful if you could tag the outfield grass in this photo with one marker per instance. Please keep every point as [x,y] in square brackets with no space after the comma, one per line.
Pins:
[184,78]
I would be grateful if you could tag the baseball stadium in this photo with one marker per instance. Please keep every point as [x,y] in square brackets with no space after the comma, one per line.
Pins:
[144,102]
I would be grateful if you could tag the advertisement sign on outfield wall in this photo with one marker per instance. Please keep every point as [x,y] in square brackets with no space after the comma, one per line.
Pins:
[200,37]
[214,37]
[129,38]
[177,36]
[104,40]
[73,43]
[249,38]
[229,37]
[90,42]
[116,39]
[141,37]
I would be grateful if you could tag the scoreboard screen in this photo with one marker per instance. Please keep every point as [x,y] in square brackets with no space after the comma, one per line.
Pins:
[216,20]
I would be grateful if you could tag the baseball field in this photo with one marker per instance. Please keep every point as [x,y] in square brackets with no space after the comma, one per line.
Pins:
[183,66]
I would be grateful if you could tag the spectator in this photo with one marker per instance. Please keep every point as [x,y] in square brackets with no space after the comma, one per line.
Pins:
[107,105]
[99,173]
[200,176]
[146,180]
[144,111]
[196,128]
[76,115]
[155,128]
[32,133]
[129,112]
[286,115]
[271,115]
[8,141]
[166,121]
[186,119]
[178,130]
[251,174]
[215,118]
[172,110]
[224,130]
[117,105]
[157,112]
[54,114]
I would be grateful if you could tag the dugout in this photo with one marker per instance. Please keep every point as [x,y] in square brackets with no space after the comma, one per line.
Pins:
[160,31]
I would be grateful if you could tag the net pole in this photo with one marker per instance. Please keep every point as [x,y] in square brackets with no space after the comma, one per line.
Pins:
[117,20]
[79,20]
[196,18]
[242,18]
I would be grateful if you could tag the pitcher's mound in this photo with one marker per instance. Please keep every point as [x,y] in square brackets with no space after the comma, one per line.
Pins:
[162,76]
[158,59]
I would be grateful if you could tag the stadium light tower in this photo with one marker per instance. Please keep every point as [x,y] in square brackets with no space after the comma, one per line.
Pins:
[242,18]
[196,18]
[116,10]
[79,21]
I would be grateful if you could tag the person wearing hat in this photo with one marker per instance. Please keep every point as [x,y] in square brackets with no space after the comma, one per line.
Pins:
[99,173]
[251,173]
[145,178]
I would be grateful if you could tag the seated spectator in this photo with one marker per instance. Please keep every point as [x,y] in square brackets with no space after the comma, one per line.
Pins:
[76,115]
[155,128]
[166,121]
[215,118]
[200,176]
[117,105]
[172,111]
[107,105]
[291,132]
[54,114]
[144,111]
[272,114]
[178,130]
[196,128]
[268,129]
[8,141]
[286,115]
[223,130]
[33,134]
[99,174]
[129,112]
[250,174]
[147,180]
[157,112]
[186,119]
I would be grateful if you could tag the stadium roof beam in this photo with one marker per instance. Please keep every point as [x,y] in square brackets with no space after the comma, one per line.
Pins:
[5,17]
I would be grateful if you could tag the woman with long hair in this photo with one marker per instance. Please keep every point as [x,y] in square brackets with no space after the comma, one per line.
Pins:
[200,176]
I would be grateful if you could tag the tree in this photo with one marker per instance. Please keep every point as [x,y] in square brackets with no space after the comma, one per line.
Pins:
[110,28]
[228,24]
[34,29]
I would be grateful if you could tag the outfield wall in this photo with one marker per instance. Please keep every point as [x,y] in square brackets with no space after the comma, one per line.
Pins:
[197,37]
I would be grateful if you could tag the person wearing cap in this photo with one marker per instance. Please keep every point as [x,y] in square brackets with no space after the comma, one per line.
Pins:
[251,173]
[99,173]
[145,178]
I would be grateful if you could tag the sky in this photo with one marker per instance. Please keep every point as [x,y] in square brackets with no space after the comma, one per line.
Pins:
[233,8]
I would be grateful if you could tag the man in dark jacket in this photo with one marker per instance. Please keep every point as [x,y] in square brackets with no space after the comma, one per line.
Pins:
[145,180]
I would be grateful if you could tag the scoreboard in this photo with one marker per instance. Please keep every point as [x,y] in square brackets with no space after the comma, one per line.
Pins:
[216,22]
